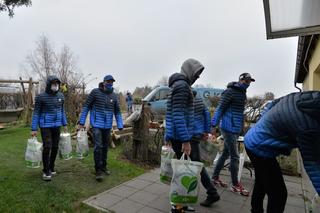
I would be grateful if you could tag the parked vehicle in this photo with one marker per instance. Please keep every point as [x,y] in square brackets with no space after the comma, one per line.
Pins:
[157,99]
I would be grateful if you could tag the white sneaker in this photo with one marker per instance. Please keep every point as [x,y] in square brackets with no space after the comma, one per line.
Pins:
[46,177]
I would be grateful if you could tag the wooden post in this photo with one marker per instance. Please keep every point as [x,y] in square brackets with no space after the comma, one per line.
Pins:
[140,146]
[24,93]
[29,102]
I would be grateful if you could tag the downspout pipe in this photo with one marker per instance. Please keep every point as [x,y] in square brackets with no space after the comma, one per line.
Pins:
[304,61]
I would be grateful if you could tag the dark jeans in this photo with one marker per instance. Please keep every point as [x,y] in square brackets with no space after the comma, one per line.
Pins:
[230,149]
[268,181]
[101,139]
[50,138]
[195,156]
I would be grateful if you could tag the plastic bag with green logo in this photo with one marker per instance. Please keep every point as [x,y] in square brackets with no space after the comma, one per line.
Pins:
[65,148]
[167,154]
[33,155]
[208,151]
[184,189]
[82,144]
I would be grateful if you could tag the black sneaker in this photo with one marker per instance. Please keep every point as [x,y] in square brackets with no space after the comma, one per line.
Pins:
[46,176]
[210,200]
[99,176]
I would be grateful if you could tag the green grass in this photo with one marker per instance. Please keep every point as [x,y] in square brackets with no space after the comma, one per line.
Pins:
[22,190]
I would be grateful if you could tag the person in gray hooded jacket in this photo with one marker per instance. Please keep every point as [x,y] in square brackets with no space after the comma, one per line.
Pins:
[180,116]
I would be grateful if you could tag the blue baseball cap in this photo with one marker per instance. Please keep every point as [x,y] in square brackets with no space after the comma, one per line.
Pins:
[108,78]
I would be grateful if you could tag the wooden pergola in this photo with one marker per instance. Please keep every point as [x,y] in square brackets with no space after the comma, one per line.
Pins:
[27,102]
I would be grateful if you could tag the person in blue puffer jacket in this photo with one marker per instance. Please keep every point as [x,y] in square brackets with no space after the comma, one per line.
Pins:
[103,104]
[292,121]
[202,127]
[180,113]
[229,114]
[49,115]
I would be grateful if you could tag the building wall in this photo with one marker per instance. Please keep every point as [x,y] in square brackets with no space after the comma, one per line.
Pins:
[312,80]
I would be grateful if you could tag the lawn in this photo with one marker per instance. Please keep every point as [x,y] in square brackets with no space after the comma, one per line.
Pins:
[23,190]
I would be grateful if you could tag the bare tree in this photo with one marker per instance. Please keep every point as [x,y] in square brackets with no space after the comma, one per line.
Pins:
[269,96]
[164,81]
[67,69]
[42,61]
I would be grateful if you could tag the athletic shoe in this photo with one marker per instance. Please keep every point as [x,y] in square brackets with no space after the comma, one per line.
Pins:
[239,189]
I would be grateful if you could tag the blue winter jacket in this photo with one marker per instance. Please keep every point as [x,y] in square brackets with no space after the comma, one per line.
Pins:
[180,111]
[292,121]
[229,113]
[102,106]
[49,110]
[202,118]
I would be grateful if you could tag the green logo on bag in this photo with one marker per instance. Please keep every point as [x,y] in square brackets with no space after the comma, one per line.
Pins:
[190,183]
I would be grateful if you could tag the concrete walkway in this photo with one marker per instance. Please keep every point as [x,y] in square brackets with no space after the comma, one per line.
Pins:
[146,194]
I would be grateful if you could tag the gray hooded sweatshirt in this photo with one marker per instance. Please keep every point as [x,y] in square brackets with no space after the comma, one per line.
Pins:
[192,69]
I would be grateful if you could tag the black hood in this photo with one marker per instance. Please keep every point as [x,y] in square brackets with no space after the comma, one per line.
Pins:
[101,86]
[177,77]
[309,103]
[49,81]
[235,85]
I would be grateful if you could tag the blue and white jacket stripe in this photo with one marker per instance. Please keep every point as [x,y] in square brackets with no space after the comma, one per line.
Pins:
[102,106]
[229,113]
[48,111]
[202,118]
[180,110]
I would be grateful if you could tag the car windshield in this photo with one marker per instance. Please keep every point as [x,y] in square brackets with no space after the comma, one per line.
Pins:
[150,95]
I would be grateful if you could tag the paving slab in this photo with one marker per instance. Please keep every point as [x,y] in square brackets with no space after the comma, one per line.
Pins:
[146,194]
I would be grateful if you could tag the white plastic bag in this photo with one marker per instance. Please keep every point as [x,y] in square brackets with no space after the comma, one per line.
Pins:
[33,155]
[315,205]
[82,144]
[184,189]
[208,151]
[65,148]
[167,154]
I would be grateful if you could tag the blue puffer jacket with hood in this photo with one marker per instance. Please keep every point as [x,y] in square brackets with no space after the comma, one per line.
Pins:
[229,113]
[202,118]
[103,104]
[49,108]
[292,121]
[180,109]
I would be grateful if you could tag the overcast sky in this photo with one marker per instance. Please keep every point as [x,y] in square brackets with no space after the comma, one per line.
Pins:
[140,41]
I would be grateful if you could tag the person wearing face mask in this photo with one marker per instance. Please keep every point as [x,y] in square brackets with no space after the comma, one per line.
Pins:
[103,104]
[49,115]
[180,120]
[229,115]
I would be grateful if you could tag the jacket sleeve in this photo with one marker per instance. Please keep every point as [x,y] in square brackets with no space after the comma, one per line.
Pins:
[36,114]
[309,146]
[180,98]
[223,105]
[64,116]
[87,107]
[117,113]
[207,119]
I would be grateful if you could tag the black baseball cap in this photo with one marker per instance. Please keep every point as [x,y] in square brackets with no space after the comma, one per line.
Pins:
[246,76]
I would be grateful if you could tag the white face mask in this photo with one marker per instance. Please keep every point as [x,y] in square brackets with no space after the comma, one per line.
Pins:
[54,87]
